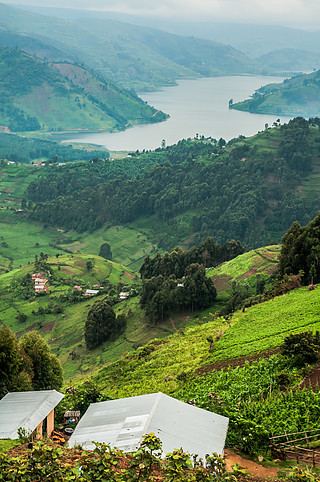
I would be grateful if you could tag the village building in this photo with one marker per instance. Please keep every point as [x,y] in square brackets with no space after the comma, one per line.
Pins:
[77,288]
[123,295]
[122,423]
[28,411]
[37,275]
[91,292]
[40,285]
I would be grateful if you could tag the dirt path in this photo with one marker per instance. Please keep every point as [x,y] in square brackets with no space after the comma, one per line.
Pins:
[255,469]
[172,323]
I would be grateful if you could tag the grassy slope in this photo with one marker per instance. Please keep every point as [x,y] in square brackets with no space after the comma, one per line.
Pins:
[245,268]
[294,97]
[129,245]
[65,331]
[260,328]
[65,96]
[167,366]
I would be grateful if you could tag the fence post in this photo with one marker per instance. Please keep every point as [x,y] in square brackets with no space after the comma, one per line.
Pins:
[307,440]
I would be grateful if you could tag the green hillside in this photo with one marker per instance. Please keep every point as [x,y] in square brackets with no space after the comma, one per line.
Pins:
[56,97]
[296,96]
[290,59]
[251,189]
[133,56]
[260,328]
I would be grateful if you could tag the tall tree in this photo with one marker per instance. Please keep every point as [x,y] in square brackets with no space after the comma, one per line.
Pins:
[47,371]
[102,324]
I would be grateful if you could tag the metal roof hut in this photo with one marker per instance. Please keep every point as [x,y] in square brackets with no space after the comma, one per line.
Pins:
[29,411]
[122,423]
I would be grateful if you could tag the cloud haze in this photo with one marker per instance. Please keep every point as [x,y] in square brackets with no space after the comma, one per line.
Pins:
[298,13]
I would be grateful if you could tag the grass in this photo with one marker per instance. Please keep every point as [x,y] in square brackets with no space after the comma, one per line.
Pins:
[167,366]
[7,444]
[245,269]
[264,326]
[161,365]
[129,246]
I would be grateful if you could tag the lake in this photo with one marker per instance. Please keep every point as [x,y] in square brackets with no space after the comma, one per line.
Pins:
[195,106]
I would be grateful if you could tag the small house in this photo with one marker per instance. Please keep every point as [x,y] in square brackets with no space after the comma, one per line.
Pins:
[91,292]
[28,411]
[77,288]
[122,423]
[123,295]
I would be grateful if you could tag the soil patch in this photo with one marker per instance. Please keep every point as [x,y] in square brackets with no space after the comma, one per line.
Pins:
[312,380]
[48,327]
[255,469]
[235,362]
[128,275]
[29,328]
[68,271]
[220,283]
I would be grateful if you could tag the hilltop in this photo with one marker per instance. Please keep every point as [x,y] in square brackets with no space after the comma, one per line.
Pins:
[58,97]
[296,96]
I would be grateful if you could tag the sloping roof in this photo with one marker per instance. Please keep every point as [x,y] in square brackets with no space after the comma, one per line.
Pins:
[26,410]
[121,423]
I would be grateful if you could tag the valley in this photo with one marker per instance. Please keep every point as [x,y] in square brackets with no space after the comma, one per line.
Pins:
[180,257]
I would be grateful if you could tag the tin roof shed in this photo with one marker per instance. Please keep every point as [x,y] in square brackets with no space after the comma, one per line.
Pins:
[26,410]
[122,423]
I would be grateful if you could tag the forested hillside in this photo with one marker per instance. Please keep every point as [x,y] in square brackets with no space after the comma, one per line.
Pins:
[25,150]
[37,95]
[296,96]
[248,190]
[132,56]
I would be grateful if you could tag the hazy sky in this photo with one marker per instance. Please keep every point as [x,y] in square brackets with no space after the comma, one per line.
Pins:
[296,13]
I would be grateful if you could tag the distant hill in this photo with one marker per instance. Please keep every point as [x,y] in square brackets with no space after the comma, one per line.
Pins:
[138,57]
[299,95]
[38,95]
[33,46]
[290,59]
[252,39]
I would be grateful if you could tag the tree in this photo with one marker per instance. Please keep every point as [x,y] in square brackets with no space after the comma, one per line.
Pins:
[102,324]
[10,360]
[105,251]
[301,348]
[46,368]
[89,265]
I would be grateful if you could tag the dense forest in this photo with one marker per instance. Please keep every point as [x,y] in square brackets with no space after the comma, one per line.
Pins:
[25,150]
[233,192]
[177,280]
[300,252]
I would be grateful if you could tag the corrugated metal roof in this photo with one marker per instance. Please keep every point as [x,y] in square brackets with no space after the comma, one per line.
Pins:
[121,423]
[26,410]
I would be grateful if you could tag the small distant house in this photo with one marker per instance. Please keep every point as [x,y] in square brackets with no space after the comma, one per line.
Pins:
[10,162]
[37,275]
[91,292]
[40,285]
[123,295]
[77,288]
[29,411]
[122,423]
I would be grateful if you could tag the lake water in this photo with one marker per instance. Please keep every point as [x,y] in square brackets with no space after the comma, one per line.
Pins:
[195,106]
